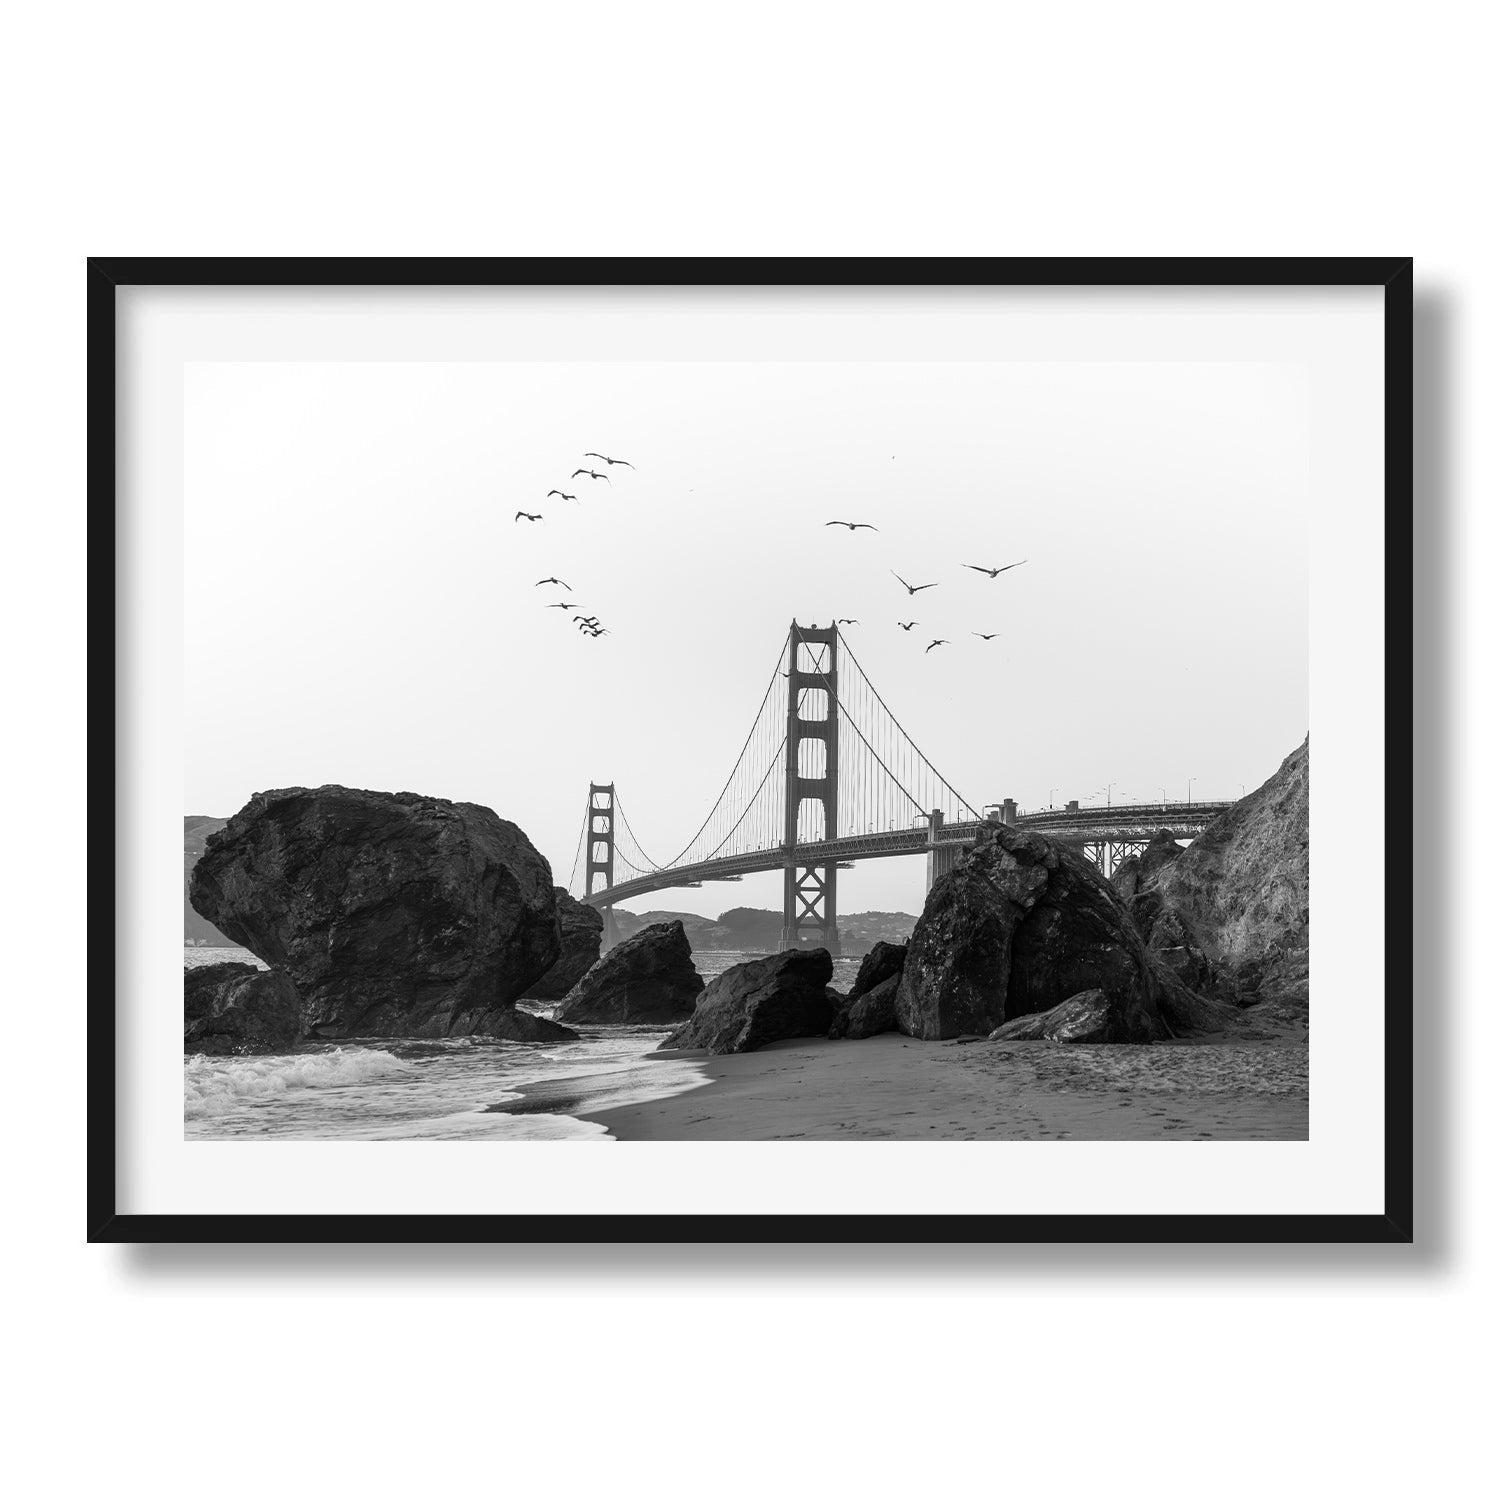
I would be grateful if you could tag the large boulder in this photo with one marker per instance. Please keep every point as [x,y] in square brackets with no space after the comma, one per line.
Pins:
[1088,1017]
[766,1000]
[394,914]
[1237,897]
[237,1008]
[647,980]
[582,931]
[1018,926]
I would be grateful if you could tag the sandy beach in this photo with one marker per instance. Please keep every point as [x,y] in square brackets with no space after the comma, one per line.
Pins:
[1249,1085]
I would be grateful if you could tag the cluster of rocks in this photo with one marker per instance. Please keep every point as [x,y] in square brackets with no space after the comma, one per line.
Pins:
[380,915]
[393,914]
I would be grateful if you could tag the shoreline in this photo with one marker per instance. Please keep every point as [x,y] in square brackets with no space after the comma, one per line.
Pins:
[1234,1087]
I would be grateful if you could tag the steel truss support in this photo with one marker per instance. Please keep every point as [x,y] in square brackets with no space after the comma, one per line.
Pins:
[809,913]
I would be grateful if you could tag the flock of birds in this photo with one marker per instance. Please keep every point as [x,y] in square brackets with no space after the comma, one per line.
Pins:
[917,588]
[590,625]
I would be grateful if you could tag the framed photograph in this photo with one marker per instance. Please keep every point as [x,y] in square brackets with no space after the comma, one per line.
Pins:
[691,750]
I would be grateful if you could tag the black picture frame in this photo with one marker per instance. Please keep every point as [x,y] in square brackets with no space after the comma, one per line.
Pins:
[106,276]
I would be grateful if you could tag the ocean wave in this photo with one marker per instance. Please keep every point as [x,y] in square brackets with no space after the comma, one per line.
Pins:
[212,1086]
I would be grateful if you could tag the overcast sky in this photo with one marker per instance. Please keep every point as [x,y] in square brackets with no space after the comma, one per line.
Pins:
[361,606]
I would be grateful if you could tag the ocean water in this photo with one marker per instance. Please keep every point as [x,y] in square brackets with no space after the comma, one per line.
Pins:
[464,1088]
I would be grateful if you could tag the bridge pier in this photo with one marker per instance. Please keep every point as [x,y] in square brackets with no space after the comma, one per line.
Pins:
[940,857]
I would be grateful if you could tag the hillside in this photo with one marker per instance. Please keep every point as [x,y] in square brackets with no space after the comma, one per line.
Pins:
[198,931]
[751,929]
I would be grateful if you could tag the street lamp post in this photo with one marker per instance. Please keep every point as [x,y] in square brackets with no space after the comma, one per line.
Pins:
[1109,787]
[1191,780]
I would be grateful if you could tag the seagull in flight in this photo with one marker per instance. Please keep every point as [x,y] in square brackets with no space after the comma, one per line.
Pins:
[982,636]
[563,493]
[590,473]
[604,458]
[907,624]
[562,606]
[912,588]
[846,622]
[937,643]
[853,525]
[528,516]
[558,581]
[996,572]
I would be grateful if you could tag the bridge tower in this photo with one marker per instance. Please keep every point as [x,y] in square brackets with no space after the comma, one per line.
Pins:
[601,853]
[809,911]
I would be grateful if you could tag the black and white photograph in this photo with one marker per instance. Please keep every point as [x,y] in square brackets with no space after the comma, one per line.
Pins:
[755,748]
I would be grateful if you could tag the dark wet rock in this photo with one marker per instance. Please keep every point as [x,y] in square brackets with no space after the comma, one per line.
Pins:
[868,1014]
[1238,894]
[508,1023]
[1127,876]
[582,931]
[1018,926]
[767,1000]
[236,1008]
[394,914]
[1088,1017]
[883,960]
[648,979]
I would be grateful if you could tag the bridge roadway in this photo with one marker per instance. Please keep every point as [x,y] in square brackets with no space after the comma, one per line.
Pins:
[1134,824]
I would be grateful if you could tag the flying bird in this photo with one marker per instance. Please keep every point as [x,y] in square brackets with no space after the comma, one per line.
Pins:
[563,493]
[853,525]
[562,606]
[608,460]
[937,643]
[996,572]
[907,624]
[528,516]
[911,588]
[846,622]
[590,473]
[558,581]
[982,636]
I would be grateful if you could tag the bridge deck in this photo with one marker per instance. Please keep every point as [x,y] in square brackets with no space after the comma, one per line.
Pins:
[1114,825]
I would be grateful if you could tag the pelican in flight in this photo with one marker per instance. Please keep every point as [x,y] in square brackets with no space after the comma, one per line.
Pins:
[853,525]
[563,493]
[907,624]
[562,606]
[846,622]
[604,458]
[982,636]
[528,515]
[912,588]
[590,473]
[937,643]
[558,581]
[996,572]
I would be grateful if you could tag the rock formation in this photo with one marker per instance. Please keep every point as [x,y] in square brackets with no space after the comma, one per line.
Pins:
[1082,1018]
[393,914]
[766,1000]
[582,929]
[647,980]
[1235,901]
[863,1012]
[1021,924]
[867,1014]
[237,1008]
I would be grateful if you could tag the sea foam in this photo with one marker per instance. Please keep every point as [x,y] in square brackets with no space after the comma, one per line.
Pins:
[216,1086]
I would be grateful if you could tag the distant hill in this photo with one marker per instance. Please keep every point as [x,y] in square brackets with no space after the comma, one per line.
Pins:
[752,929]
[198,932]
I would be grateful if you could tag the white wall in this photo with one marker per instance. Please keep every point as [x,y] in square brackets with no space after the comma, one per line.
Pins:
[1152,128]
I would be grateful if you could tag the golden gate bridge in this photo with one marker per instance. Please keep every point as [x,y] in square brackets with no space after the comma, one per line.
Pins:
[828,776]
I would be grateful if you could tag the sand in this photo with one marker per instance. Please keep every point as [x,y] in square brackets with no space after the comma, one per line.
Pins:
[1247,1085]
